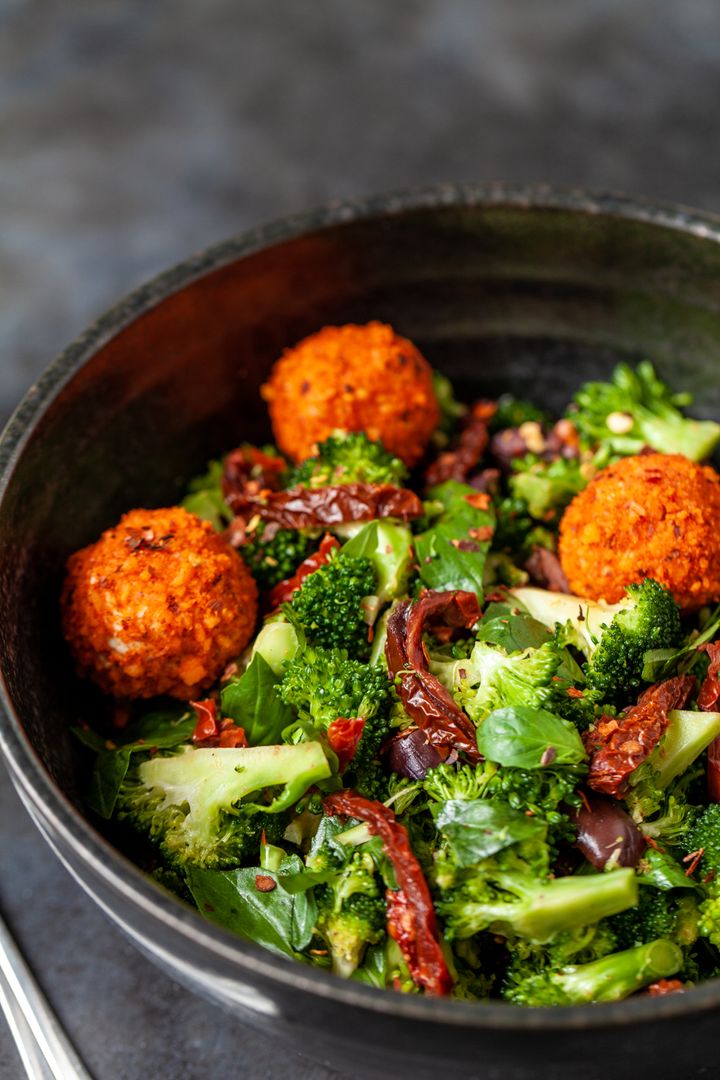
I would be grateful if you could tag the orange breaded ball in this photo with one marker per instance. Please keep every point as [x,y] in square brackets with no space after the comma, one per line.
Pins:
[158,605]
[353,378]
[655,515]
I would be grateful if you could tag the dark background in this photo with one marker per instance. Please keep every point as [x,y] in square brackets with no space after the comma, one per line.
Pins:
[136,132]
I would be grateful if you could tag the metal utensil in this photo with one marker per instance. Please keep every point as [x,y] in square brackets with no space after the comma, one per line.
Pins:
[44,1048]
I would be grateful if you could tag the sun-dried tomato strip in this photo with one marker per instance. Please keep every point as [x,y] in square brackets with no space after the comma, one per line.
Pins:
[458,463]
[617,746]
[310,508]
[344,737]
[708,699]
[284,590]
[410,913]
[425,699]
[247,471]
[209,731]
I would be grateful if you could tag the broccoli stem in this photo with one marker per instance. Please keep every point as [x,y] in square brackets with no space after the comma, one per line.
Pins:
[277,643]
[574,901]
[616,976]
[542,911]
[589,617]
[687,735]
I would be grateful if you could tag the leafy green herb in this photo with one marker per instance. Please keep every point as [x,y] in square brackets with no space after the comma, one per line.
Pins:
[528,738]
[661,870]
[252,701]
[205,497]
[451,553]
[281,921]
[475,829]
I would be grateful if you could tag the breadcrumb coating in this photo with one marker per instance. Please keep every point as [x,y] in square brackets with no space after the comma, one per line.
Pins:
[654,515]
[158,605]
[353,378]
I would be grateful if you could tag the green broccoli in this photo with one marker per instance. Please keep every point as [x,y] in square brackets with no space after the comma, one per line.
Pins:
[704,835]
[636,409]
[611,978]
[544,793]
[276,559]
[351,904]
[614,638]
[512,893]
[324,684]
[656,796]
[195,803]
[670,914]
[335,605]
[546,488]
[349,458]
[516,532]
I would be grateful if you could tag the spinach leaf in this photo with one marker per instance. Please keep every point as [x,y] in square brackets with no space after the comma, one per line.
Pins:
[451,553]
[160,729]
[108,774]
[476,829]
[529,738]
[661,870]
[252,701]
[278,920]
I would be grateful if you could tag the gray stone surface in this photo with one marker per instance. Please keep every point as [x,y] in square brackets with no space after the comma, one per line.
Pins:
[134,132]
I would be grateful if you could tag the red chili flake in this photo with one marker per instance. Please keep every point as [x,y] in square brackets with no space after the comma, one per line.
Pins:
[617,746]
[694,859]
[411,918]
[481,533]
[232,735]
[344,737]
[574,693]
[248,471]
[264,883]
[425,699]
[284,590]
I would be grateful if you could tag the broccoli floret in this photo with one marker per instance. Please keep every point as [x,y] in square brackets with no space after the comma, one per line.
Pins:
[546,488]
[511,893]
[332,604]
[609,979]
[709,920]
[195,804]
[614,638]
[657,914]
[349,458]
[636,409]
[658,786]
[276,559]
[323,684]
[351,909]
[491,678]
[545,793]
[704,835]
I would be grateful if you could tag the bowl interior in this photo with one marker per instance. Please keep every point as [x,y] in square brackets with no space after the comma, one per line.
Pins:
[501,295]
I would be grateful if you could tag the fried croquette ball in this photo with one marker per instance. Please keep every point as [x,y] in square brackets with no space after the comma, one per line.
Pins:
[353,378]
[655,515]
[158,605]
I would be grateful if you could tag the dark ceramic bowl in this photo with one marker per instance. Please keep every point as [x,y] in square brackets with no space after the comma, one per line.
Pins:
[502,288]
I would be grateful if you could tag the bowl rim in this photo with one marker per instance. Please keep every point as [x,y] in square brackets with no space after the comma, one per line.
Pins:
[117,872]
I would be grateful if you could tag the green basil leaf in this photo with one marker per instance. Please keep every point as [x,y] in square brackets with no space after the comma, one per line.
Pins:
[450,554]
[476,829]
[160,728]
[529,738]
[252,702]
[108,774]
[278,920]
[661,870]
[205,497]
